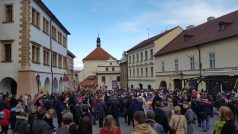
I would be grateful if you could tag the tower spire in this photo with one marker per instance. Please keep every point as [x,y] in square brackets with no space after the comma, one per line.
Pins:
[98,41]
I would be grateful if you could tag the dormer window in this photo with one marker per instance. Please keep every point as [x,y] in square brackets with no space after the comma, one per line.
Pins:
[223,24]
[187,37]
[221,27]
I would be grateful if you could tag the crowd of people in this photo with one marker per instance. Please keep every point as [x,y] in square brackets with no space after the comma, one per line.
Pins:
[147,111]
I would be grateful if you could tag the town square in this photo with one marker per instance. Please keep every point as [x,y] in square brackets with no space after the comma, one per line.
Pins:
[118,67]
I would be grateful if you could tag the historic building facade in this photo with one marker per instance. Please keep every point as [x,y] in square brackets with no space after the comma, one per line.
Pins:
[201,57]
[100,69]
[124,71]
[70,67]
[141,69]
[33,42]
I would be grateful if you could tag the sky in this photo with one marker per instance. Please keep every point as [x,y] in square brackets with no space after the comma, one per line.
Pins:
[122,24]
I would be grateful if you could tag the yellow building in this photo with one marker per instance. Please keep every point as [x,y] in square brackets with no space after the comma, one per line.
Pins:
[201,57]
[141,69]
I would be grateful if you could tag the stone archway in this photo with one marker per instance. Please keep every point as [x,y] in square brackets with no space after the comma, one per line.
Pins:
[55,84]
[163,84]
[141,86]
[61,85]
[8,85]
[47,85]
[178,84]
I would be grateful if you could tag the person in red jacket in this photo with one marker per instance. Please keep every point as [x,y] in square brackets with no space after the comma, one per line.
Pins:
[4,118]
[110,126]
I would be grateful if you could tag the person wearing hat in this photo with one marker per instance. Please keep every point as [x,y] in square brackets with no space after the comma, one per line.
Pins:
[40,126]
[67,119]
[32,116]
[21,126]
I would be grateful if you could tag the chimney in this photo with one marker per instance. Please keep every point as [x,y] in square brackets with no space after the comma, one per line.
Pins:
[210,18]
[190,26]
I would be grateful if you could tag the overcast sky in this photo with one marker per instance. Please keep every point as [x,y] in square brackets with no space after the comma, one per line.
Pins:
[124,23]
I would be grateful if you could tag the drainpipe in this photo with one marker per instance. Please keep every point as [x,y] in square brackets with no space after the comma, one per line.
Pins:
[200,63]
[51,61]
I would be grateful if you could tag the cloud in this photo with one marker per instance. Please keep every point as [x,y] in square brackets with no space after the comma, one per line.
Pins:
[173,13]
[94,10]
[78,64]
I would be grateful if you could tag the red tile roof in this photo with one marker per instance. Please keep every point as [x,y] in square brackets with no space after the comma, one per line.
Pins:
[89,82]
[205,33]
[150,40]
[98,54]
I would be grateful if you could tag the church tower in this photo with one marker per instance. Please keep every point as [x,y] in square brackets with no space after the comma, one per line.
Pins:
[98,42]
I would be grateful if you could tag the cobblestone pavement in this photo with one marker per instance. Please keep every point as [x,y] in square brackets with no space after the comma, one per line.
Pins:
[128,129]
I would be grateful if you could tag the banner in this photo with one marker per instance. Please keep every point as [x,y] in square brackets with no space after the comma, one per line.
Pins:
[236,86]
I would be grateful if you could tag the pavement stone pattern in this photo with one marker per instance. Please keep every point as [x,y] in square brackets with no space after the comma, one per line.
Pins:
[128,129]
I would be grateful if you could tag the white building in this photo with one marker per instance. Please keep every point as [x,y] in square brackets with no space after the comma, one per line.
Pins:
[201,57]
[109,74]
[100,69]
[141,71]
[25,44]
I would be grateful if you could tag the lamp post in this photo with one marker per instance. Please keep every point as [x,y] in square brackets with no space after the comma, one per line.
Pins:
[38,81]
[181,77]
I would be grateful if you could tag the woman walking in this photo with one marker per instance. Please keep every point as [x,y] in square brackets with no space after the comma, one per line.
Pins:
[178,123]
[225,124]
[110,126]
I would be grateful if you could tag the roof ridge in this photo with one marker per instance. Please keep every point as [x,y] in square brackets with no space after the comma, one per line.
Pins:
[151,39]
[206,32]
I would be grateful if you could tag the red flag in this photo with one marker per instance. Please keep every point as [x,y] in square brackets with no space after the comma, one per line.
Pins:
[65,78]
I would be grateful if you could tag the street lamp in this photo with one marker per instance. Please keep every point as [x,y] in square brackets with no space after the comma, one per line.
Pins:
[181,75]
[38,81]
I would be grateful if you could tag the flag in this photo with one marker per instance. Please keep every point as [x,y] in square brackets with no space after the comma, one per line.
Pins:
[236,85]
[65,78]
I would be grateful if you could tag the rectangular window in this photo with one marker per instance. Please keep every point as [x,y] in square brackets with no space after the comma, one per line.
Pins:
[151,54]
[212,60]
[141,56]
[53,34]
[176,64]
[45,26]
[103,79]
[133,58]
[35,54]
[137,58]
[35,19]
[133,73]
[65,62]
[151,71]
[65,41]
[113,69]
[162,67]
[129,59]
[146,72]
[59,37]
[54,56]
[118,78]
[7,50]
[8,13]
[146,55]
[192,63]
[59,61]
[130,73]
[46,55]
[141,71]
[137,72]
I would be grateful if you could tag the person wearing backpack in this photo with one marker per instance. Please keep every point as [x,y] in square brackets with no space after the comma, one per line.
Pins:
[190,117]
[153,124]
